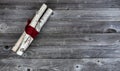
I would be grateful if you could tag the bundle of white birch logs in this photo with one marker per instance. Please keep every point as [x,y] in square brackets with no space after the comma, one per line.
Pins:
[34,27]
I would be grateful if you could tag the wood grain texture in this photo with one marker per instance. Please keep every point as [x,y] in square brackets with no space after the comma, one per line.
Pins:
[60,64]
[81,35]
[64,15]
[65,27]
[60,1]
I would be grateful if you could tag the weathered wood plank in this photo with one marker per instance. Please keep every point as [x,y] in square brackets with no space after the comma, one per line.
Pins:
[66,39]
[65,21]
[63,53]
[60,64]
[60,1]
[69,27]
[61,47]
[71,53]
[59,6]
[57,46]
[64,15]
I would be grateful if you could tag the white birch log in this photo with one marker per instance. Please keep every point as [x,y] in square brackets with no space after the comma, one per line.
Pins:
[28,39]
[33,23]
[19,42]
[38,15]
[44,19]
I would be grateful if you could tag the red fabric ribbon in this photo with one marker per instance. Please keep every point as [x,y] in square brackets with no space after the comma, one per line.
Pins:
[30,30]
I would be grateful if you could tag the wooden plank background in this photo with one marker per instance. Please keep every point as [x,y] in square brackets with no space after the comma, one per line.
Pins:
[81,35]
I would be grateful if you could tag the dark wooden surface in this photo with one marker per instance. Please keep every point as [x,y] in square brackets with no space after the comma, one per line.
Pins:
[81,35]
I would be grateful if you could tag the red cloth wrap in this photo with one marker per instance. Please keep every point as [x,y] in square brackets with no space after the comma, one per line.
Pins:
[30,30]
